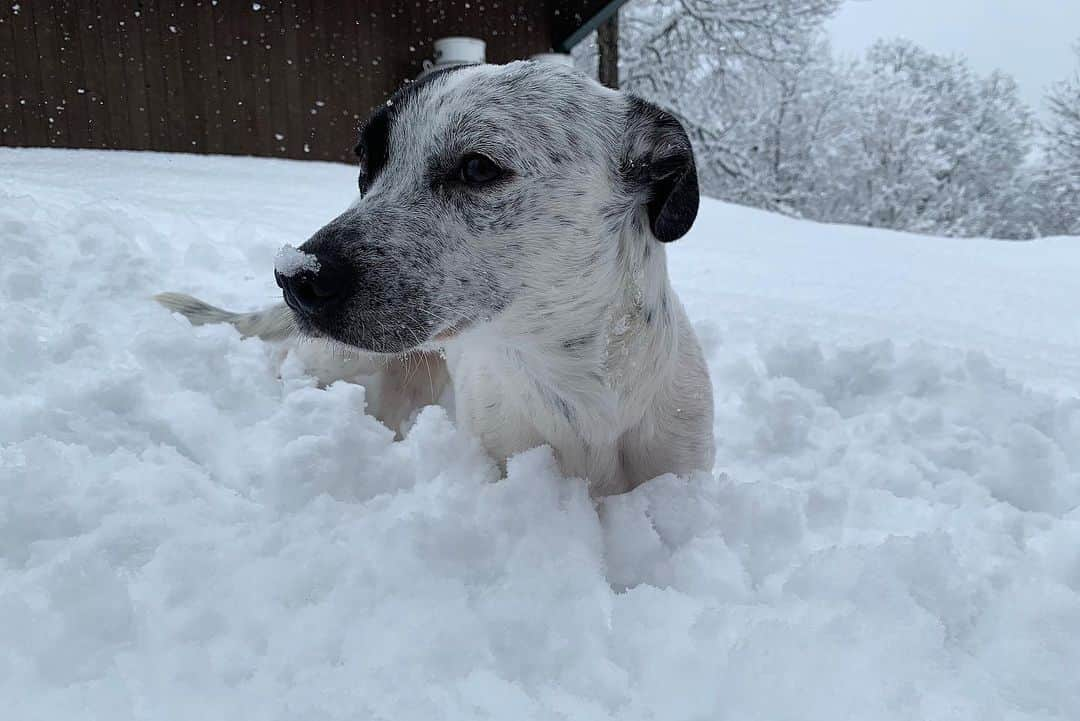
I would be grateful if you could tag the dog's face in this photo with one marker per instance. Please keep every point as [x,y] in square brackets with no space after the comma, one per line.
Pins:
[489,193]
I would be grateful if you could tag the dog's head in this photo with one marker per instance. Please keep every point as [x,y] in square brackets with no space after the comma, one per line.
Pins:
[489,192]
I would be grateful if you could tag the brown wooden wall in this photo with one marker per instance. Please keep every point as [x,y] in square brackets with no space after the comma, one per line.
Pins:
[266,77]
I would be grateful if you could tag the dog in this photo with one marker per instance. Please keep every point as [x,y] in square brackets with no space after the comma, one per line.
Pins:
[509,237]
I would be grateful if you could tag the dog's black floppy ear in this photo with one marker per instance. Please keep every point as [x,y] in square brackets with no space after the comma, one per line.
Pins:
[659,163]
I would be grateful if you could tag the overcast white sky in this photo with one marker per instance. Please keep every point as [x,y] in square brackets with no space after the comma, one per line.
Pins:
[1029,39]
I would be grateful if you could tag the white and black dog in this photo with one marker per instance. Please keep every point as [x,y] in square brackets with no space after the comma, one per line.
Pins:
[510,234]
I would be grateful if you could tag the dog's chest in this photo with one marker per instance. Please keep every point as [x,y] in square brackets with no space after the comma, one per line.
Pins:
[512,410]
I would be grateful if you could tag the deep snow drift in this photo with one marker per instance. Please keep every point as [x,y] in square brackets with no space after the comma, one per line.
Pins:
[891,531]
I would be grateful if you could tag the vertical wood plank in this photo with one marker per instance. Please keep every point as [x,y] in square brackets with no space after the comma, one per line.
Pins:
[94,74]
[29,80]
[259,22]
[168,30]
[290,24]
[372,20]
[182,126]
[209,82]
[130,39]
[277,70]
[12,131]
[49,69]
[229,79]
[326,81]
[244,97]
[306,43]
[188,67]
[355,79]
[349,81]
[156,102]
[77,108]
[607,41]
[109,17]
[64,85]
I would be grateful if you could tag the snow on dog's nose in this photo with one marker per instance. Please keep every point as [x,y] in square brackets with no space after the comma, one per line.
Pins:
[310,283]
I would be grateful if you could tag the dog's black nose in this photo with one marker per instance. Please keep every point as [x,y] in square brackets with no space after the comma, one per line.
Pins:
[314,291]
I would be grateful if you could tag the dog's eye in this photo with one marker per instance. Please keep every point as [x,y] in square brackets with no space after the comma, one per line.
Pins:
[476,169]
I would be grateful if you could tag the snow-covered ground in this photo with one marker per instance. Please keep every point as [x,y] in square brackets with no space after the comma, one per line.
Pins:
[891,532]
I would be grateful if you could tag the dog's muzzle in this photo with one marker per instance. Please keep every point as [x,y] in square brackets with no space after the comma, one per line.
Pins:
[315,293]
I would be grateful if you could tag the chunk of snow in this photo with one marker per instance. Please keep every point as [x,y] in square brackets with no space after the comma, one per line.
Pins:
[289,261]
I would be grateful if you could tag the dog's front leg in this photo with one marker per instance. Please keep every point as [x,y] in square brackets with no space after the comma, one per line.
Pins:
[407,383]
[397,386]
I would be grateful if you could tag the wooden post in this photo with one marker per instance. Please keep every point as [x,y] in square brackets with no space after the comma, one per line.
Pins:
[607,41]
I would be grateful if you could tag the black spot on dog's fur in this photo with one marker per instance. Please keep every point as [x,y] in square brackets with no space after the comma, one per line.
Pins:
[556,402]
[374,146]
[576,344]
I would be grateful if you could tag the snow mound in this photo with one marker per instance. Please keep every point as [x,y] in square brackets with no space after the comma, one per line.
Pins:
[892,530]
[289,261]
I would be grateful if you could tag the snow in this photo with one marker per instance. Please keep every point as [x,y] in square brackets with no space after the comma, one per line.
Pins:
[289,261]
[891,532]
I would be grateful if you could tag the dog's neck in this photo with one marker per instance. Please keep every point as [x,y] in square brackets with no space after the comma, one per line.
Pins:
[641,324]
[592,369]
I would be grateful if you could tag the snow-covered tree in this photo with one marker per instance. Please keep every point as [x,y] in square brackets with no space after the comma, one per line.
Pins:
[784,119]
[930,146]
[697,59]
[981,131]
[888,160]
[902,138]
[1058,194]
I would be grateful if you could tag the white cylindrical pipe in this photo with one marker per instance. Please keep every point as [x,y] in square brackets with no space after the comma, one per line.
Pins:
[455,51]
[555,58]
[459,50]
